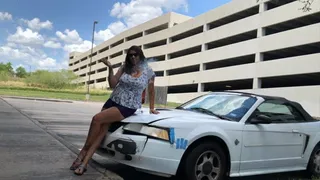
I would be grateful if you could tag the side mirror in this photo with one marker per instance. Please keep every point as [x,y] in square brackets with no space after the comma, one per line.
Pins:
[261,119]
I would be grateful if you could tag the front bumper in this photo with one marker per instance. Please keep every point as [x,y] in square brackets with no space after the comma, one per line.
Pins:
[124,146]
[149,155]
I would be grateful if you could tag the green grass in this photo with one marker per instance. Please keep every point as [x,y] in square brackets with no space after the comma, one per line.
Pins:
[52,94]
[64,94]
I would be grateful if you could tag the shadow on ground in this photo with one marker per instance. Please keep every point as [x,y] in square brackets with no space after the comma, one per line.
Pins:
[128,173]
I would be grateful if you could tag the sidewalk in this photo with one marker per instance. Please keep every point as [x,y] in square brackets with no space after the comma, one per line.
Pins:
[28,152]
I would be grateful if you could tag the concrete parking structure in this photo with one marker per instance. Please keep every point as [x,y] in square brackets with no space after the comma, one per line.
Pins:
[265,47]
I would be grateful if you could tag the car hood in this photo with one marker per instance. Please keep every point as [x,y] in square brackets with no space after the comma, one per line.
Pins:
[143,116]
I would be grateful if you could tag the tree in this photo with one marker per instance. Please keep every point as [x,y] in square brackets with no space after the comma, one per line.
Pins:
[7,68]
[306,4]
[21,72]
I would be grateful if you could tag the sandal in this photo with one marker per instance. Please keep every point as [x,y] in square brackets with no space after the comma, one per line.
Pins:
[76,163]
[82,168]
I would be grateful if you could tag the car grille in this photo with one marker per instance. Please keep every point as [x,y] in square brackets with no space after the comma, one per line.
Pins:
[116,125]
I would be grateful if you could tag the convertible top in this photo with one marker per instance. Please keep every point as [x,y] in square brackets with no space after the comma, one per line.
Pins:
[253,94]
[295,104]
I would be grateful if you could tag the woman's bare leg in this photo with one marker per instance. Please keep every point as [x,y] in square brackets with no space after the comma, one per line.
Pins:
[90,138]
[93,148]
[85,147]
[100,123]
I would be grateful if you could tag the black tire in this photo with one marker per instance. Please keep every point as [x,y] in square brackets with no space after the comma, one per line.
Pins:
[312,170]
[190,163]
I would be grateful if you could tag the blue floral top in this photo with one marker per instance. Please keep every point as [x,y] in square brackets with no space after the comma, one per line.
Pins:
[128,91]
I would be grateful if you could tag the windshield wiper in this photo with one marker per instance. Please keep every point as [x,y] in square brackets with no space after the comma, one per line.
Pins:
[211,113]
[202,110]
[223,117]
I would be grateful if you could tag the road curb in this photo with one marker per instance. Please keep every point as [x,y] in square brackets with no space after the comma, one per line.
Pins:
[93,163]
[36,99]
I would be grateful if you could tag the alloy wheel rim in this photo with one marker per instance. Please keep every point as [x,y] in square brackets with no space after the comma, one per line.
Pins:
[208,166]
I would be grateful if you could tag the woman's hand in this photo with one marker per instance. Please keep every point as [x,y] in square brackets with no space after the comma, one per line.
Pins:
[153,111]
[106,62]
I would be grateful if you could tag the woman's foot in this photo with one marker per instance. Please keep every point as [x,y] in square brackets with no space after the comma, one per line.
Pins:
[76,163]
[81,169]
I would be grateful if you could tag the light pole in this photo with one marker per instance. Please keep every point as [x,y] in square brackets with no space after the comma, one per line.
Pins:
[88,84]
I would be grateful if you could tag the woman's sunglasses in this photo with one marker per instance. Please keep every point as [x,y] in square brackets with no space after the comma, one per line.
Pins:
[133,54]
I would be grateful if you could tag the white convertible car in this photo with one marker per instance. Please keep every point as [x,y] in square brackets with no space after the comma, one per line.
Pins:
[218,135]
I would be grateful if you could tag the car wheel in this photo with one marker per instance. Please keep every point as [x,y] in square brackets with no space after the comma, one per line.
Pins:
[314,163]
[207,161]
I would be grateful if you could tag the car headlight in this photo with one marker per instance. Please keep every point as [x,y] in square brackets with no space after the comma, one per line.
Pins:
[155,132]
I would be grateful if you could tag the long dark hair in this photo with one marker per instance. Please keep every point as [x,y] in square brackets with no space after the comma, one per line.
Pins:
[128,65]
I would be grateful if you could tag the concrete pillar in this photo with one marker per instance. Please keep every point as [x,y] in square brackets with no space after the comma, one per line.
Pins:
[256,83]
[258,57]
[263,7]
[256,80]
[202,67]
[261,32]
[200,87]
[167,57]
[203,47]
[166,73]
[205,28]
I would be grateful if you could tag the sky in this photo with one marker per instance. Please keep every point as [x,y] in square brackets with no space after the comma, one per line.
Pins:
[38,34]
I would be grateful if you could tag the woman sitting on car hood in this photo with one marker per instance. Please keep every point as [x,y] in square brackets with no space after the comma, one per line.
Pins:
[128,85]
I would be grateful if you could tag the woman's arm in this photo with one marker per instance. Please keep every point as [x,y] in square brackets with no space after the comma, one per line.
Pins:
[151,96]
[114,79]
[151,79]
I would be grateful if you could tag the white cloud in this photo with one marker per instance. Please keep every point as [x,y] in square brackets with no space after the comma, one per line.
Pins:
[36,24]
[139,11]
[47,63]
[5,16]
[103,35]
[8,53]
[136,12]
[112,30]
[10,44]
[82,47]
[28,56]
[52,44]
[69,37]
[25,46]
[52,64]
[117,27]
[73,41]
[128,14]
[25,37]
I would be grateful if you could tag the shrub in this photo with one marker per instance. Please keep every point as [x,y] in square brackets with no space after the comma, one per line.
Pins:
[4,76]
[55,80]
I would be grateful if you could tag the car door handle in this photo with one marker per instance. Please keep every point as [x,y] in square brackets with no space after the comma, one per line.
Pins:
[295,131]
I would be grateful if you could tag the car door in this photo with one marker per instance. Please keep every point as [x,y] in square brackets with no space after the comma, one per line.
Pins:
[274,145]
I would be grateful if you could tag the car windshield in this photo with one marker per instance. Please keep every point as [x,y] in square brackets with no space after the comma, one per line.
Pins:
[223,105]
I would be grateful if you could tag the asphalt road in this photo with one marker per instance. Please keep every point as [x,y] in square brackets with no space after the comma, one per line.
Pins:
[27,152]
[70,122]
